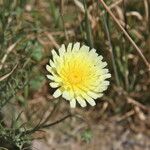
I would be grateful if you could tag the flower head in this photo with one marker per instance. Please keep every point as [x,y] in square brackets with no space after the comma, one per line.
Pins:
[78,73]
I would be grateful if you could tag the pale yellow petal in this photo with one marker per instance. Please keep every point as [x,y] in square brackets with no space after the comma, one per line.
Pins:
[54,84]
[48,68]
[93,94]
[50,77]
[73,103]
[102,88]
[66,95]
[102,65]
[105,76]
[69,48]
[62,50]
[52,64]
[81,101]
[100,58]
[57,93]
[84,49]
[105,83]
[91,101]
[55,55]
[88,99]
[76,46]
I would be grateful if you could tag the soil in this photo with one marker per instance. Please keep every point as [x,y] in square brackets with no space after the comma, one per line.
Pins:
[105,136]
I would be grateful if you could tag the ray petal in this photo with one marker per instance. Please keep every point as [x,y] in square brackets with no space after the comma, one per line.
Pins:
[54,84]
[50,77]
[91,101]
[48,68]
[57,93]
[66,95]
[84,49]
[76,46]
[62,50]
[52,64]
[73,103]
[81,101]
[69,48]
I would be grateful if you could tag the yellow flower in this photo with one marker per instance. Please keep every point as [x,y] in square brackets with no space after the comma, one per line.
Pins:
[78,73]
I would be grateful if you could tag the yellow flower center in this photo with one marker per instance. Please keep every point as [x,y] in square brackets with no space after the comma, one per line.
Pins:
[75,77]
[76,73]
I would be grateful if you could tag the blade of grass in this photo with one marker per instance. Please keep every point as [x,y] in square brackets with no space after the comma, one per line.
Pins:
[125,52]
[111,51]
[62,18]
[87,26]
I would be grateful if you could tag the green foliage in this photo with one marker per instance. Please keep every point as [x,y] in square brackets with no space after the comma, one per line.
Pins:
[13,137]
[37,82]
[34,50]
[37,53]
[86,135]
[54,10]
[13,27]
[88,26]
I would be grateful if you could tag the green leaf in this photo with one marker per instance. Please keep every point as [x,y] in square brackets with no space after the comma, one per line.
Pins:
[37,53]
[37,82]
[86,135]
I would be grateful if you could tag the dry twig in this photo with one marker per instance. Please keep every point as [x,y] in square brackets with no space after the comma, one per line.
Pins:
[123,117]
[136,103]
[51,38]
[8,74]
[10,48]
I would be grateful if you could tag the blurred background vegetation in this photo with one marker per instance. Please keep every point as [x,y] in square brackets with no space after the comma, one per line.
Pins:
[29,30]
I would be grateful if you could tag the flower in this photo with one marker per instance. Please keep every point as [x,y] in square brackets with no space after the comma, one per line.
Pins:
[78,73]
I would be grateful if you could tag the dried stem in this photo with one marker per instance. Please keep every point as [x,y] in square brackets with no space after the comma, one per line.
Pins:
[52,112]
[56,122]
[52,39]
[8,74]
[126,34]
[7,53]
[46,125]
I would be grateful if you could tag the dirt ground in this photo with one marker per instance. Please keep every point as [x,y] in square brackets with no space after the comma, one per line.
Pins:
[105,136]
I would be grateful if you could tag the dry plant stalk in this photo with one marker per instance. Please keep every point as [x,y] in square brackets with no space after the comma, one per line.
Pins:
[52,39]
[126,34]
[136,103]
[10,48]
[8,74]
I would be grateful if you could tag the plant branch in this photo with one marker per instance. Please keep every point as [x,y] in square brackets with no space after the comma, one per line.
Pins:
[52,112]
[56,122]
[37,128]
[8,74]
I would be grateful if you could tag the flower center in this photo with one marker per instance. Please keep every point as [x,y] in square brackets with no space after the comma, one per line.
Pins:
[76,73]
[75,77]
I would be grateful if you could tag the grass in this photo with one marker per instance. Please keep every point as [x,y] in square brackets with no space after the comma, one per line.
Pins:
[29,30]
